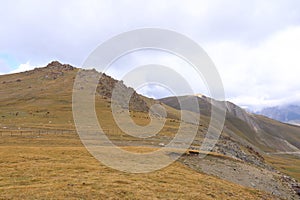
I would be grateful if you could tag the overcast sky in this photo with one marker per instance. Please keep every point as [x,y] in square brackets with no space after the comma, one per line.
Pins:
[255,45]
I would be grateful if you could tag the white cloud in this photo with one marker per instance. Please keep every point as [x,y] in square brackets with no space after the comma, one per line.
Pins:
[265,74]
[50,30]
[22,68]
[182,77]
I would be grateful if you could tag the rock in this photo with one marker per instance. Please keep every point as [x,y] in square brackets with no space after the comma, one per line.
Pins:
[253,184]
[276,193]
[161,144]
[55,65]
[296,189]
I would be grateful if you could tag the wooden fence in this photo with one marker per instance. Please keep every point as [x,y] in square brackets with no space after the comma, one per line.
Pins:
[34,132]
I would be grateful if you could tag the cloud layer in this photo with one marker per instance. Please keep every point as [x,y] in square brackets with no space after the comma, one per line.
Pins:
[262,75]
[253,43]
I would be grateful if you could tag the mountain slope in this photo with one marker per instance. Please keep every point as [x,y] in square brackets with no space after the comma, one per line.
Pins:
[266,134]
[41,99]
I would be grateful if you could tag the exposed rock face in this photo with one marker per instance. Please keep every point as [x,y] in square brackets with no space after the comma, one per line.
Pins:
[108,84]
[57,66]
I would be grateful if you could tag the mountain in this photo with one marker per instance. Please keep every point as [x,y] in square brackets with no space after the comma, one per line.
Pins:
[287,114]
[253,158]
[266,134]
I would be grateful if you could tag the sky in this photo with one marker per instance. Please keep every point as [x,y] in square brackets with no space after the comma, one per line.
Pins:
[255,45]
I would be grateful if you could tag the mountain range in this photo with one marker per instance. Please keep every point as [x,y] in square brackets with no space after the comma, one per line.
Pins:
[287,113]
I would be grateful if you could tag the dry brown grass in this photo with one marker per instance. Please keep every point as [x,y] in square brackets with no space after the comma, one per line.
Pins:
[59,167]
[289,164]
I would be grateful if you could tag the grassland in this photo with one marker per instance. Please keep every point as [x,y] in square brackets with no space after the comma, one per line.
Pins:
[289,164]
[59,167]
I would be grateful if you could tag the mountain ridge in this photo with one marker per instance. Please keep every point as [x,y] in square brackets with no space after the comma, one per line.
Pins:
[287,113]
[41,99]
[260,133]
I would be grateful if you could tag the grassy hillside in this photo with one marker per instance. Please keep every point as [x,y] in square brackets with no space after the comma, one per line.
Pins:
[48,159]
[59,167]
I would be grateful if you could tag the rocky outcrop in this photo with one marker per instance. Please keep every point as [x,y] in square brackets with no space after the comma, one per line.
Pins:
[52,71]
[108,84]
[57,66]
[231,148]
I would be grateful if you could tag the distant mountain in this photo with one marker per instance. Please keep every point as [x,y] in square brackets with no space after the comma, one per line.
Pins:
[287,114]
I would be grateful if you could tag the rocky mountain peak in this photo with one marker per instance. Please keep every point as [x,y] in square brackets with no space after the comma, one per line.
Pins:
[55,65]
